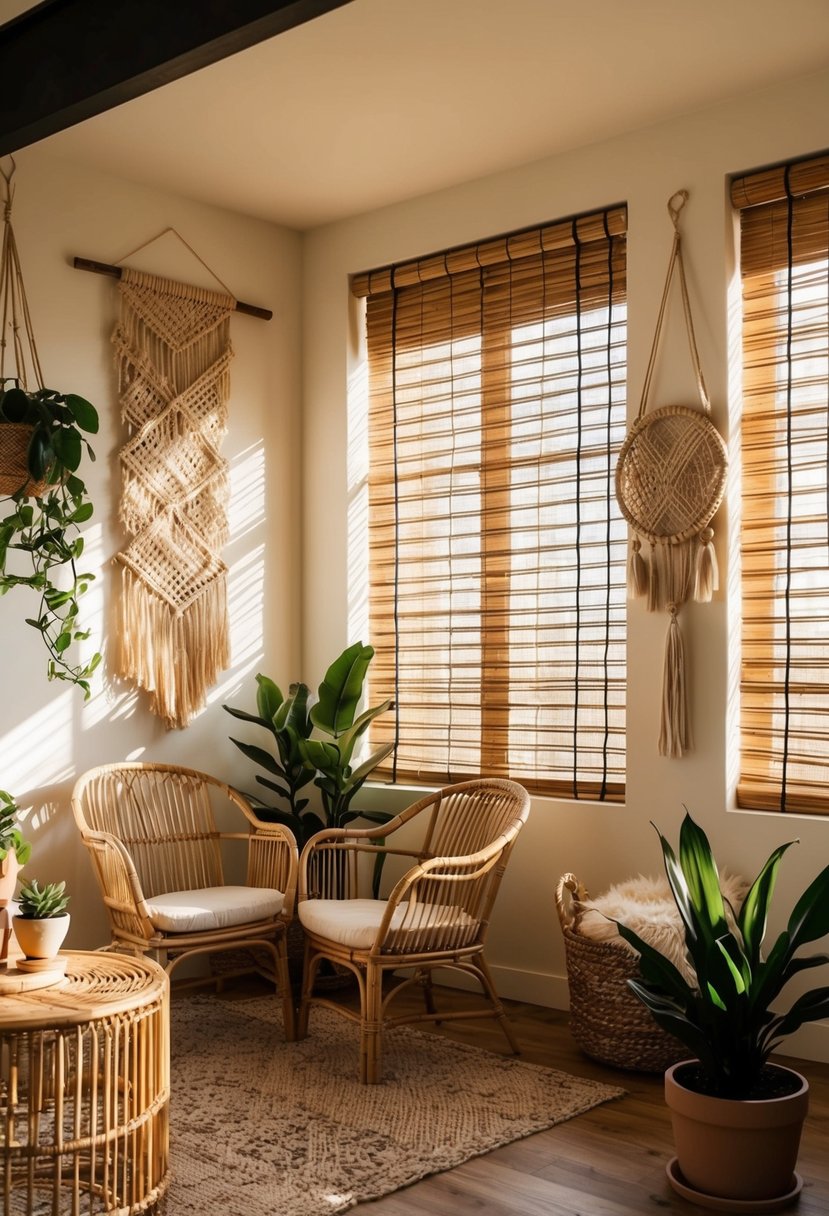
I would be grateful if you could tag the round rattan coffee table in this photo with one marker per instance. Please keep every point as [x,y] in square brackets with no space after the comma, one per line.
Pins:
[84,1090]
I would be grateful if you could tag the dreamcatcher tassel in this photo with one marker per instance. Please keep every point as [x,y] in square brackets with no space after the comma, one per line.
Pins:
[637,571]
[673,734]
[654,581]
[707,571]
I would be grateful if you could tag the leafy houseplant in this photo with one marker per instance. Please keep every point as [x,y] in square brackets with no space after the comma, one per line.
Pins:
[46,529]
[42,921]
[726,1017]
[325,759]
[11,838]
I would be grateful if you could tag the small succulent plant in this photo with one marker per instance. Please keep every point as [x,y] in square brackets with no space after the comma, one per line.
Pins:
[41,903]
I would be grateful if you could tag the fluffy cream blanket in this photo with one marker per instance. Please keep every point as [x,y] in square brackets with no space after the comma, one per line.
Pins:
[647,906]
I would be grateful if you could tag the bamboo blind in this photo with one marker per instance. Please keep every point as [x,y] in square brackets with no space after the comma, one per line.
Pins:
[785,495]
[497,551]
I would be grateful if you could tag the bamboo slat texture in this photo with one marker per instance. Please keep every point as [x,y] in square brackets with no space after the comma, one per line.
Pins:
[84,1091]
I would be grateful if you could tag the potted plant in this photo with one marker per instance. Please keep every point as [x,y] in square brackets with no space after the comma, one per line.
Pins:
[325,759]
[736,1116]
[14,850]
[42,441]
[42,921]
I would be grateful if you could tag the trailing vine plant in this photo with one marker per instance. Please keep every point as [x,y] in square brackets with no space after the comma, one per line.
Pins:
[46,525]
[42,441]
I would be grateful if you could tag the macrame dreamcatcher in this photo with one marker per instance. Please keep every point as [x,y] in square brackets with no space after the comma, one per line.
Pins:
[173,354]
[670,480]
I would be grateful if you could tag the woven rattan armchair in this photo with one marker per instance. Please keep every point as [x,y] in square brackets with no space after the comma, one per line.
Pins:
[157,854]
[436,915]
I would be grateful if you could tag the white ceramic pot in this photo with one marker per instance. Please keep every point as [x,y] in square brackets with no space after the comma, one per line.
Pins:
[41,938]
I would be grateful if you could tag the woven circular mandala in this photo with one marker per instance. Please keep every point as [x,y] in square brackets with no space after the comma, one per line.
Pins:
[670,476]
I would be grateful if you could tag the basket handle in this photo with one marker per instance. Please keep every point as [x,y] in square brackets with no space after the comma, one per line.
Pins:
[564,906]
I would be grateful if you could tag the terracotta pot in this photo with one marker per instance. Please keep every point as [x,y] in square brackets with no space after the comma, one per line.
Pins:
[41,937]
[732,1149]
[9,869]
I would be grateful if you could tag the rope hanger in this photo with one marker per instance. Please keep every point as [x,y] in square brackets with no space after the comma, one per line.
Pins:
[114,270]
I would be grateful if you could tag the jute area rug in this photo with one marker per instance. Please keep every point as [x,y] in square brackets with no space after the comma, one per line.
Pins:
[263,1127]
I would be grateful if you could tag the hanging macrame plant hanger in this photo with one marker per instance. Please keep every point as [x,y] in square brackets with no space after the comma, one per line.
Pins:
[670,481]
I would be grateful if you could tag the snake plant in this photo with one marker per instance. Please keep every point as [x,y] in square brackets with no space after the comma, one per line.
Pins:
[726,1017]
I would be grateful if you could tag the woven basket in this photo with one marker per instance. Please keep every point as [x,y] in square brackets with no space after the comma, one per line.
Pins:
[671,473]
[14,472]
[607,1021]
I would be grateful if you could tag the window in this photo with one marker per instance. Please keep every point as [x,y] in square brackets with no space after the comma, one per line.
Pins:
[785,523]
[497,550]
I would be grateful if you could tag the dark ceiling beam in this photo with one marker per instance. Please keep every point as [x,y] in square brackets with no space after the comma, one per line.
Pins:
[65,60]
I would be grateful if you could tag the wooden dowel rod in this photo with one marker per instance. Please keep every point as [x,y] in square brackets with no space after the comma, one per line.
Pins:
[251,310]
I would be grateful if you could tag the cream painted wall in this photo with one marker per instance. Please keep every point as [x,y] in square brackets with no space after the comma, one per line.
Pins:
[600,844]
[48,735]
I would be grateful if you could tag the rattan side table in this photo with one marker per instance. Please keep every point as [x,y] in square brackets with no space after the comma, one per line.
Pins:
[84,1090]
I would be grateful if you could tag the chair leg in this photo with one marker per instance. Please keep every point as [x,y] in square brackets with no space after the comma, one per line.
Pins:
[309,974]
[371,1028]
[498,1009]
[283,986]
[425,980]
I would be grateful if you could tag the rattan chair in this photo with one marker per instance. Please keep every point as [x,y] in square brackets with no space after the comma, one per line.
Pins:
[436,915]
[158,856]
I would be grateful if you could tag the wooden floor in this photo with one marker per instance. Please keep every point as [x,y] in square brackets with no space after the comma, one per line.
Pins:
[608,1162]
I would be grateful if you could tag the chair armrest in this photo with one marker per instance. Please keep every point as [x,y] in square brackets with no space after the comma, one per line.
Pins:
[273,861]
[119,883]
[321,877]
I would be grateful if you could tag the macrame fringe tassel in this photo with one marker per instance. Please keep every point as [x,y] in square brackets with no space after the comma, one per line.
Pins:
[637,571]
[654,581]
[674,736]
[174,657]
[707,578]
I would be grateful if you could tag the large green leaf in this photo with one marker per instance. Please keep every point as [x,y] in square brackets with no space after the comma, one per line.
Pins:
[341,689]
[671,1018]
[246,717]
[85,414]
[656,968]
[292,714]
[321,755]
[810,1007]
[349,738]
[268,698]
[702,878]
[259,756]
[754,912]
[360,774]
[810,918]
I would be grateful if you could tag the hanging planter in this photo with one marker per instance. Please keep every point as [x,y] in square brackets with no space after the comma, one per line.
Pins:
[42,442]
[670,481]
[15,478]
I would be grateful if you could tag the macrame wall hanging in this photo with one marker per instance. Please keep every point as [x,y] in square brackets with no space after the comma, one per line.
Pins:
[670,480]
[173,355]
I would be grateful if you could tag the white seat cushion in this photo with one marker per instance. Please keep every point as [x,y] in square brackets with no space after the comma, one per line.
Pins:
[213,908]
[354,922]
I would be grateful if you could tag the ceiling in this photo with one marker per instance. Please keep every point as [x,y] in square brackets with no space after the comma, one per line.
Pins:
[382,100]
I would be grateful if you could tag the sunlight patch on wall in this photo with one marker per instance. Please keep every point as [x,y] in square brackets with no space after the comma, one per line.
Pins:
[357,472]
[246,605]
[247,490]
[38,752]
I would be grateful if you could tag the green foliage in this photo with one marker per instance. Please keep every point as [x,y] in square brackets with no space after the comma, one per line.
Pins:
[726,1017]
[42,903]
[11,838]
[325,758]
[46,528]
